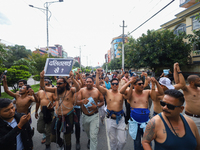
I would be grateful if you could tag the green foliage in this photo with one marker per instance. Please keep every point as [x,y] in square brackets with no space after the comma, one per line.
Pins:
[38,61]
[76,64]
[115,64]
[3,55]
[15,73]
[194,39]
[26,62]
[157,49]
[15,53]
[36,77]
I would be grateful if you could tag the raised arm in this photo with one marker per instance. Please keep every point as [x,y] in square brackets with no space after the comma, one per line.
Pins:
[81,79]
[159,88]
[76,87]
[153,92]
[146,83]
[176,78]
[181,84]
[100,88]
[5,85]
[48,89]
[124,87]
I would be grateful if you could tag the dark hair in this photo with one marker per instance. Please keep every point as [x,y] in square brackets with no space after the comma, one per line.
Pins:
[176,94]
[126,72]
[137,80]
[114,80]
[65,81]
[106,77]
[49,81]
[90,78]
[23,80]
[27,86]
[4,102]
[192,78]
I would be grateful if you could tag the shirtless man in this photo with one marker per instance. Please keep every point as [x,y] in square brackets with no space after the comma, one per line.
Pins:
[115,123]
[192,97]
[64,109]
[46,114]
[170,129]
[23,99]
[165,84]
[138,99]
[90,111]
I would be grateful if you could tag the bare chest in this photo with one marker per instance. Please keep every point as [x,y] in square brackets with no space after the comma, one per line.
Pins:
[114,97]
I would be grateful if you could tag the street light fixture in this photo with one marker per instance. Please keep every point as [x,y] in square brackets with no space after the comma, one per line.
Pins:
[46,6]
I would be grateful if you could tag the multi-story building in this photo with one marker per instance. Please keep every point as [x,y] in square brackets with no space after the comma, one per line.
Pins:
[78,59]
[60,50]
[186,21]
[115,48]
[64,54]
[109,55]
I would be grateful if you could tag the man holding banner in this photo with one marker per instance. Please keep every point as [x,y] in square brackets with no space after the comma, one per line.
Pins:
[64,110]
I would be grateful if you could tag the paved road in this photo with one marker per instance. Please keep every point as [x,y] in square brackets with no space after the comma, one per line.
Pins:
[102,138]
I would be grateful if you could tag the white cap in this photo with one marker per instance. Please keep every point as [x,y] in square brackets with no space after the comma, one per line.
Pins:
[166,82]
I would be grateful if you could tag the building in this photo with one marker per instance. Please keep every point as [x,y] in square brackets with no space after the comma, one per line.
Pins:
[60,50]
[186,21]
[109,55]
[115,48]
[78,59]
[64,54]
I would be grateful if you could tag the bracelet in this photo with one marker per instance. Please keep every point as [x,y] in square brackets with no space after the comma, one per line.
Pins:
[179,72]
[97,107]
[19,127]
[152,89]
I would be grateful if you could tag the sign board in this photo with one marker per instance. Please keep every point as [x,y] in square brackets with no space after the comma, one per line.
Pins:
[58,67]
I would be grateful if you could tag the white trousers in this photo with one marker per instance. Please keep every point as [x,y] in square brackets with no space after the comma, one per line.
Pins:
[116,133]
[196,121]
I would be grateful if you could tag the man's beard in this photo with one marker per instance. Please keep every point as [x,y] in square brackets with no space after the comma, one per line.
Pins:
[61,90]
[197,85]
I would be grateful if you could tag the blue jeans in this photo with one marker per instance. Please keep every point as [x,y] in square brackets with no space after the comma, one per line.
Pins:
[137,141]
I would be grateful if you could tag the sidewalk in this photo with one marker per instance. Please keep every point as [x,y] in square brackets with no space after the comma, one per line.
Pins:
[30,82]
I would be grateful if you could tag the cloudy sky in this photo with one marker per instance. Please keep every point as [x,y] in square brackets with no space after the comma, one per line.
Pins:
[77,23]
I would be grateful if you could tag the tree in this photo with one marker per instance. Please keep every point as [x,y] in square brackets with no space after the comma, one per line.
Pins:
[157,49]
[30,64]
[3,55]
[15,73]
[115,64]
[15,53]
[76,64]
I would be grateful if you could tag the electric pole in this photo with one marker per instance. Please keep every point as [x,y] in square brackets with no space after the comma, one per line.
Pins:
[123,44]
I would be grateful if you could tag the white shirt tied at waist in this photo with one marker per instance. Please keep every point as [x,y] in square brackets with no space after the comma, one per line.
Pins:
[133,127]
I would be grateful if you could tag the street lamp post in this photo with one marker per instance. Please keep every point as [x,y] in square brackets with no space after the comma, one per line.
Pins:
[80,54]
[46,10]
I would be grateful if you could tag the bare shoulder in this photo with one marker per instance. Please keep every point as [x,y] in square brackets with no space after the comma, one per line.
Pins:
[189,121]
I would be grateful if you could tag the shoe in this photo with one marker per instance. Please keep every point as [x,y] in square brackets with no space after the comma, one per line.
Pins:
[88,144]
[43,141]
[78,146]
[48,147]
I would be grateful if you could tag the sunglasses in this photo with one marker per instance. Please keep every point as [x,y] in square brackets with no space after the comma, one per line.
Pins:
[59,83]
[169,106]
[114,83]
[140,84]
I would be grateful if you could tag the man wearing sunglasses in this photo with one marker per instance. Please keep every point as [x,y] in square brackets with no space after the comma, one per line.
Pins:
[139,112]
[64,110]
[46,114]
[115,124]
[170,129]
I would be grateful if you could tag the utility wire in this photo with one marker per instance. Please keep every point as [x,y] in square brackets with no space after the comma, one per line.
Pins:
[150,17]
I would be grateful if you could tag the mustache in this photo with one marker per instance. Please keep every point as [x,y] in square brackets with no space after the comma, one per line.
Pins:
[166,111]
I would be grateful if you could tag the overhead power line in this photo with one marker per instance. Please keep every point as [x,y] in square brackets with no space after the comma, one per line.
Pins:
[151,17]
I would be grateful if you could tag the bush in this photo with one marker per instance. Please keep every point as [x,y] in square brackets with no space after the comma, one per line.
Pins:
[36,77]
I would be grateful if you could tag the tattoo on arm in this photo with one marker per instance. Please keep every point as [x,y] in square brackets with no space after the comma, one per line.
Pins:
[149,131]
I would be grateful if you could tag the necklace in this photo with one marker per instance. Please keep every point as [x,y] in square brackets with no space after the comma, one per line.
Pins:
[172,127]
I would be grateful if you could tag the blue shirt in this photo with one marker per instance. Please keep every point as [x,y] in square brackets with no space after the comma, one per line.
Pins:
[13,124]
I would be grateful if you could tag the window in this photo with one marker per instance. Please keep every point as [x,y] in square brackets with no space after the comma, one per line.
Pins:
[180,28]
[195,23]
